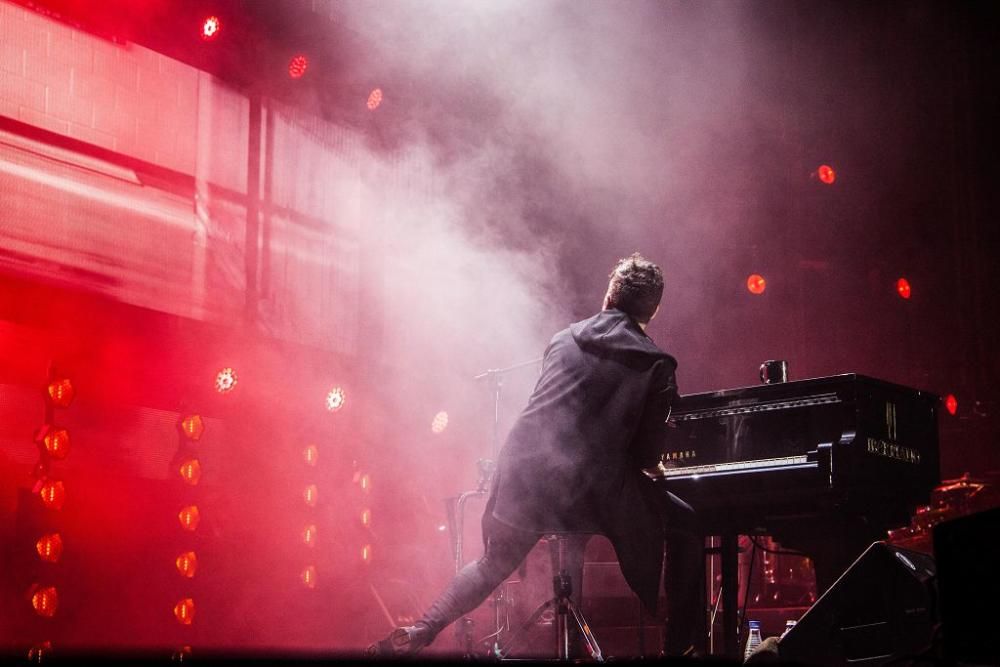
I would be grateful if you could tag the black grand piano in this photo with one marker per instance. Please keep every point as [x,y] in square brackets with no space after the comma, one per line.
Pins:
[825,466]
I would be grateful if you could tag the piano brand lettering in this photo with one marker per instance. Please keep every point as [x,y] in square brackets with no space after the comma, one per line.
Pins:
[680,455]
[892,450]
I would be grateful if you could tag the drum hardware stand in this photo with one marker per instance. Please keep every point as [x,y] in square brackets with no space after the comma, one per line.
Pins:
[562,588]
[486,469]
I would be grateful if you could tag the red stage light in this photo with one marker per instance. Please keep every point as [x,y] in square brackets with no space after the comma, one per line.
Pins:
[53,494]
[49,547]
[903,287]
[311,495]
[366,518]
[40,652]
[57,443]
[756,283]
[309,535]
[366,553]
[365,482]
[210,28]
[192,427]
[187,564]
[374,99]
[826,174]
[189,518]
[225,380]
[440,422]
[311,455]
[190,471]
[951,404]
[297,66]
[61,392]
[45,601]
[184,611]
[335,399]
[309,576]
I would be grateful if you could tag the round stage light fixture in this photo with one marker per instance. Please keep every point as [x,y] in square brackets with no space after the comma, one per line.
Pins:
[311,455]
[189,518]
[311,495]
[309,576]
[49,547]
[335,399]
[440,422]
[190,471]
[826,174]
[374,99]
[187,564]
[53,494]
[297,66]
[951,404]
[225,380]
[756,283]
[45,601]
[903,288]
[61,392]
[309,535]
[210,28]
[192,427]
[57,443]
[184,611]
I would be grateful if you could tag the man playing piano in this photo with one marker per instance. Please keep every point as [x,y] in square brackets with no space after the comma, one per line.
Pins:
[572,464]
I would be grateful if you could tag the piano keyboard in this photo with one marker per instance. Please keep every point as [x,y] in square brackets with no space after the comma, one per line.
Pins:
[716,469]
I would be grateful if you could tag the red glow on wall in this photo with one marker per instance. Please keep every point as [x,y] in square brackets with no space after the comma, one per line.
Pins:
[184,611]
[951,404]
[297,66]
[189,518]
[61,392]
[826,174]
[210,28]
[192,427]
[57,443]
[374,99]
[53,494]
[49,547]
[903,288]
[756,283]
[190,471]
[187,564]
[45,601]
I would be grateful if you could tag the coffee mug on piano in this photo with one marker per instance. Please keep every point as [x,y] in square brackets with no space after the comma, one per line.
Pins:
[774,371]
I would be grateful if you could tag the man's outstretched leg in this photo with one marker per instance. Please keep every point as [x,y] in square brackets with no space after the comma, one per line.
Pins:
[505,549]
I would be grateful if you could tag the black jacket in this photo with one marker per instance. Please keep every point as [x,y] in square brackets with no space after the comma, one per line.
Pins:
[572,461]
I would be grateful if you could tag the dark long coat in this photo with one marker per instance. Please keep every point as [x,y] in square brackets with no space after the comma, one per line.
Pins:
[572,462]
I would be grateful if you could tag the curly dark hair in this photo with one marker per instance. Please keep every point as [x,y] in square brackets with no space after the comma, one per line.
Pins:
[635,287]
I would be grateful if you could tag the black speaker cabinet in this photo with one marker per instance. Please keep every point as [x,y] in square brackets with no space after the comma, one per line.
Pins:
[967,551]
[880,608]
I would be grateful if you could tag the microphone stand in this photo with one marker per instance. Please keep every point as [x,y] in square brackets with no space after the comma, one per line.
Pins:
[487,469]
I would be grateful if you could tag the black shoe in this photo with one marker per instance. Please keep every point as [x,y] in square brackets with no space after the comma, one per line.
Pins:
[400,642]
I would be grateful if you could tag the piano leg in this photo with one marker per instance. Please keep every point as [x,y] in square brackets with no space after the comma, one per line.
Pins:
[730,594]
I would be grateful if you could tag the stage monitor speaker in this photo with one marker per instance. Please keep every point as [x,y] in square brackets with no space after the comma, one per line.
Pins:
[967,552]
[880,608]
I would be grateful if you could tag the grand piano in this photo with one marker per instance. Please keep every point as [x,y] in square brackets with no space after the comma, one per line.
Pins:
[825,466]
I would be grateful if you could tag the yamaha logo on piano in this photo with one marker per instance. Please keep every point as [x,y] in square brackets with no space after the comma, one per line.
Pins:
[889,448]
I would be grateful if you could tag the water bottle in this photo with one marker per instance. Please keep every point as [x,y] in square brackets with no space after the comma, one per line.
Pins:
[753,640]
[789,624]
